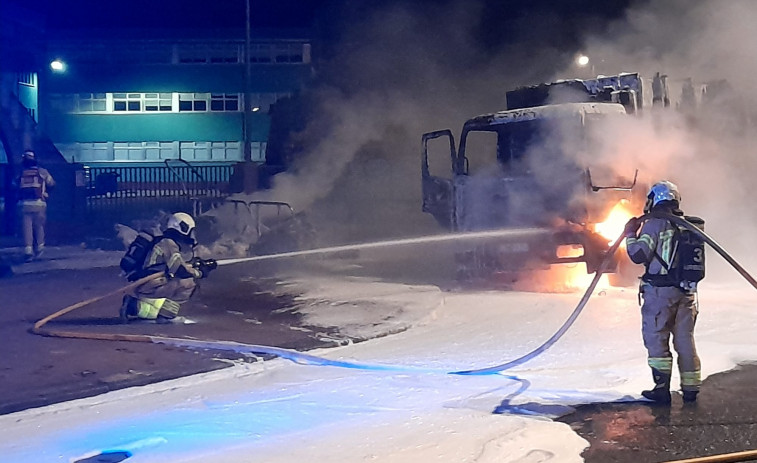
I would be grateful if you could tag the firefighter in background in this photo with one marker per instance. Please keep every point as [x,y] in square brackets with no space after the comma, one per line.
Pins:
[670,305]
[34,183]
[171,255]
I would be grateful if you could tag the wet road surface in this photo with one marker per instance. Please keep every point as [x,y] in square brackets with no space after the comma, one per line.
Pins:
[37,371]
[723,420]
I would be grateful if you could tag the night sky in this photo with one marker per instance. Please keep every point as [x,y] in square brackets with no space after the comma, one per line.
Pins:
[75,14]
[503,19]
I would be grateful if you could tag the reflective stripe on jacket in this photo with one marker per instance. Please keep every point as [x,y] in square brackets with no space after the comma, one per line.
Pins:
[656,235]
[167,252]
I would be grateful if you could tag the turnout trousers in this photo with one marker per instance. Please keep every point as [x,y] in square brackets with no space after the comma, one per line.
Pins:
[669,311]
[163,296]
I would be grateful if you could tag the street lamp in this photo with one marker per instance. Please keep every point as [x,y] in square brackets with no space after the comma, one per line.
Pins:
[583,61]
[57,65]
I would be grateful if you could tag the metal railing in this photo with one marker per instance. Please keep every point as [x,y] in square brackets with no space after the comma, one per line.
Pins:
[122,182]
[123,193]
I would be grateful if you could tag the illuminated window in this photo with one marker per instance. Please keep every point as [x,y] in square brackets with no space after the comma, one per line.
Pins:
[91,102]
[159,150]
[211,151]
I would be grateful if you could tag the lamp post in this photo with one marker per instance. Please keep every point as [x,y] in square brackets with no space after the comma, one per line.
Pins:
[247,94]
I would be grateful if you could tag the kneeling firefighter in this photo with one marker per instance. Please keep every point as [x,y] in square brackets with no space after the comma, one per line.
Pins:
[674,261]
[172,255]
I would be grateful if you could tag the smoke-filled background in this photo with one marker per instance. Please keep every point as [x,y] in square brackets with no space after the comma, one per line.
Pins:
[394,71]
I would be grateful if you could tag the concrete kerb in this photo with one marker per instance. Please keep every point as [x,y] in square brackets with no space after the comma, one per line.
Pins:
[59,258]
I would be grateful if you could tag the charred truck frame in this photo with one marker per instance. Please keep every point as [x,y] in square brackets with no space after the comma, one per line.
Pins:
[511,170]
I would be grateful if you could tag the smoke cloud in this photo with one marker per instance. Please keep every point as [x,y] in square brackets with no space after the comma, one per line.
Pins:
[708,150]
[398,71]
[402,70]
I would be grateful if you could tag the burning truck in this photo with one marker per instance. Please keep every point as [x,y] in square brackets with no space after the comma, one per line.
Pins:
[530,166]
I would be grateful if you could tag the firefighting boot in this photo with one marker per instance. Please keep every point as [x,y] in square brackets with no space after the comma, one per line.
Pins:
[690,396]
[128,309]
[661,391]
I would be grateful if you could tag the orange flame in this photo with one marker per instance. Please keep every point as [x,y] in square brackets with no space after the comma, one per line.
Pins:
[615,222]
[575,276]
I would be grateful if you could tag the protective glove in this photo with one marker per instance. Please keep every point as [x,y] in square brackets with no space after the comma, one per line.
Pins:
[205,266]
[632,227]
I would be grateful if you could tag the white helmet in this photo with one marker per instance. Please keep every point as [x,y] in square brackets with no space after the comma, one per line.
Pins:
[183,224]
[662,191]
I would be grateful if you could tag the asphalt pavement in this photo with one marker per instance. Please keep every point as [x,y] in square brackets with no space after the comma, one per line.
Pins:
[36,371]
[249,307]
[723,420]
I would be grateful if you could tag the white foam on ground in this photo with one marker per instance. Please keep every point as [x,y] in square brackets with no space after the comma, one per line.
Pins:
[278,411]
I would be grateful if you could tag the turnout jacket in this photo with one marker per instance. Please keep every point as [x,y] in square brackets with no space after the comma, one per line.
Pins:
[166,255]
[654,247]
[33,184]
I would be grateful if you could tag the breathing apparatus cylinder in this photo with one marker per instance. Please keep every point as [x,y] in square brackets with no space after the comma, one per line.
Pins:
[691,255]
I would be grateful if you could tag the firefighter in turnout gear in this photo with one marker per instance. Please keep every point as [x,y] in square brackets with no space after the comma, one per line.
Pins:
[34,184]
[171,255]
[670,304]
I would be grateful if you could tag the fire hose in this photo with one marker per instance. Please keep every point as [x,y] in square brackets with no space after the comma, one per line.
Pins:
[303,358]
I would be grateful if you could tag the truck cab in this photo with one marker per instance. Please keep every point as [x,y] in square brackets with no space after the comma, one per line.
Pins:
[529,167]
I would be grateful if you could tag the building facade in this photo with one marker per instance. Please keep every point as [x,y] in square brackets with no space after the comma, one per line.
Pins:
[128,101]
[126,118]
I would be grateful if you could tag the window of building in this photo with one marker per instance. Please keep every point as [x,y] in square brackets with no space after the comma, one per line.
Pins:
[63,103]
[288,53]
[133,151]
[158,102]
[192,151]
[27,79]
[262,101]
[224,102]
[160,150]
[91,102]
[192,54]
[193,101]
[260,53]
[130,102]
[226,151]
[226,53]
[88,152]
[257,150]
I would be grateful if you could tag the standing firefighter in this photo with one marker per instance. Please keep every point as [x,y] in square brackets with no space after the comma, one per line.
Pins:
[674,262]
[34,183]
[172,256]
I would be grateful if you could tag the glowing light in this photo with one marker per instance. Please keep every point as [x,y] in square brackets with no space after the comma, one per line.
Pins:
[58,65]
[255,109]
[613,225]
[582,60]
[577,279]
[569,250]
